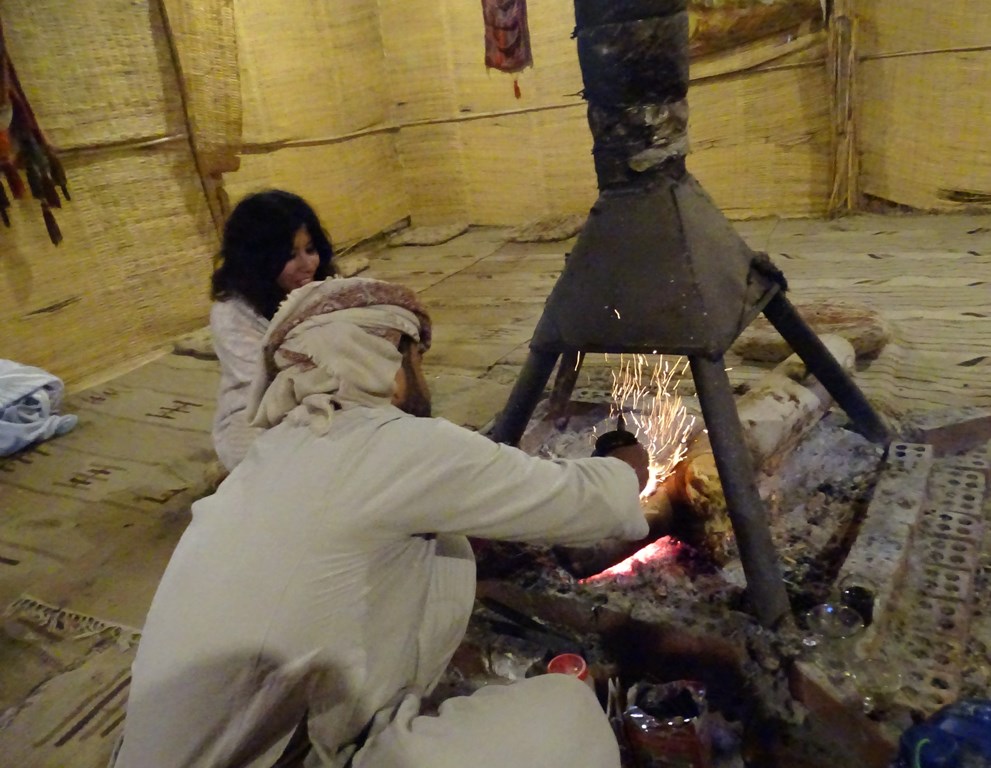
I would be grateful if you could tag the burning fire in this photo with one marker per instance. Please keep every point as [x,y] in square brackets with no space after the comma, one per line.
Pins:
[653,412]
[661,550]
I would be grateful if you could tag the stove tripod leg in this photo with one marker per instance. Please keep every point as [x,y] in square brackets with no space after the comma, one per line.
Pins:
[511,423]
[821,364]
[736,473]
[559,405]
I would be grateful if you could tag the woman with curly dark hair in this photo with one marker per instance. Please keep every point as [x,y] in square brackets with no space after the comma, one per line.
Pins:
[273,243]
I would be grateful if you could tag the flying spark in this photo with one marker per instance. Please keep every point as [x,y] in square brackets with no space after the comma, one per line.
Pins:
[653,412]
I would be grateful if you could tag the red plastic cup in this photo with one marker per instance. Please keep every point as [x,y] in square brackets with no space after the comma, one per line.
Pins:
[568,664]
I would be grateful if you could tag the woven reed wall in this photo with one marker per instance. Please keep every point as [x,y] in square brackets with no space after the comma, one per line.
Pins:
[761,140]
[133,268]
[471,151]
[353,185]
[925,102]
[313,84]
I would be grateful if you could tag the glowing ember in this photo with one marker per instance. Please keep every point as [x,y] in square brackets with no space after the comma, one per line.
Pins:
[653,412]
[662,549]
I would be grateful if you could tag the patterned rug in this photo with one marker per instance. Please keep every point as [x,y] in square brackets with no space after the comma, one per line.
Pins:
[75,716]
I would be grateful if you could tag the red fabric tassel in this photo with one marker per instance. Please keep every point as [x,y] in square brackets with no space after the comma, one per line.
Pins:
[58,174]
[4,205]
[51,195]
[34,182]
[23,146]
[516,89]
[14,181]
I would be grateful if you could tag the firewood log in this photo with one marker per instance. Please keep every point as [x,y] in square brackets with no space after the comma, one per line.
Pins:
[775,415]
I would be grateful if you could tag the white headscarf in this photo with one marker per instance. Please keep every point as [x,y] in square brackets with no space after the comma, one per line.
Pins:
[331,346]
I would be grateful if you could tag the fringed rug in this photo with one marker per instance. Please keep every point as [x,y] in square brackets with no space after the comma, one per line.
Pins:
[75,715]
[41,619]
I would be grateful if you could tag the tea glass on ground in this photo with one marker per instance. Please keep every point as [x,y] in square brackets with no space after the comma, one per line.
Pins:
[878,681]
[859,592]
[833,630]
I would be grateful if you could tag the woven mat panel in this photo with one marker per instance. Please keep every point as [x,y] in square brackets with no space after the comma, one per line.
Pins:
[435,58]
[761,141]
[309,68]
[897,26]
[431,157]
[564,139]
[495,151]
[355,186]
[96,71]
[759,146]
[204,39]
[924,127]
[131,273]
[424,50]
[418,66]
[466,170]
[773,135]
[556,70]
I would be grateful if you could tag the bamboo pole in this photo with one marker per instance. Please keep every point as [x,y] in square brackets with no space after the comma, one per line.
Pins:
[201,39]
[842,63]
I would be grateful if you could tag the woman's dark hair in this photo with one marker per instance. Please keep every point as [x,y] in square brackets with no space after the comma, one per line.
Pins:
[258,241]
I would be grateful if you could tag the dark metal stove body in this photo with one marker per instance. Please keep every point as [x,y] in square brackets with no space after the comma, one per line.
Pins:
[659,269]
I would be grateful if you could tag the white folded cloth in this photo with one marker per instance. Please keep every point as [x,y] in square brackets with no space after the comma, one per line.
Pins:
[30,399]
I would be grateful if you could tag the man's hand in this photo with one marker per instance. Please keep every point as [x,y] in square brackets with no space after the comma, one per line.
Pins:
[636,456]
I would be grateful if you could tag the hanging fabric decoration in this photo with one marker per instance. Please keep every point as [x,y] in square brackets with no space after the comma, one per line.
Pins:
[24,148]
[507,36]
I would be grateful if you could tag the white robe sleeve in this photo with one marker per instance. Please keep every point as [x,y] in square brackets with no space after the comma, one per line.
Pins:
[237,333]
[457,481]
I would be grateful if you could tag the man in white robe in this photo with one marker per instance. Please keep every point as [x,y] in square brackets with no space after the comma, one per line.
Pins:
[330,578]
